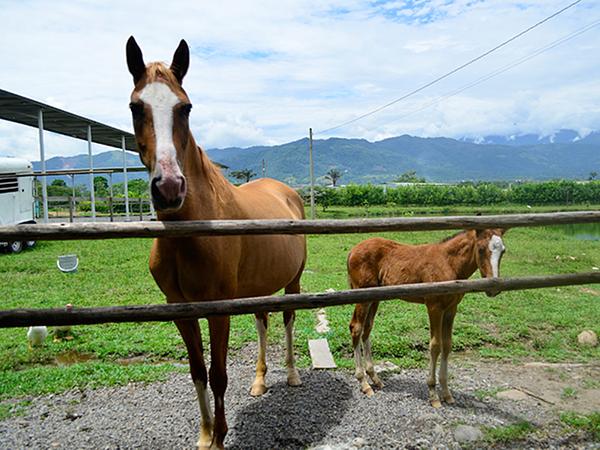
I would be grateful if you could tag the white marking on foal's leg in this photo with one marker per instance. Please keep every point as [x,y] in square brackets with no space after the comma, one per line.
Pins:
[434,352]
[206,425]
[446,394]
[258,386]
[370,367]
[360,369]
[293,377]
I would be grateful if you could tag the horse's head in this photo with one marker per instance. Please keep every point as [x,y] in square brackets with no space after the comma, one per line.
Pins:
[489,251]
[160,109]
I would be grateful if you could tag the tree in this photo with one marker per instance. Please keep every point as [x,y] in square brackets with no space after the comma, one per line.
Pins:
[243,175]
[593,175]
[333,175]
[410,176]
[137,188]
[101,186]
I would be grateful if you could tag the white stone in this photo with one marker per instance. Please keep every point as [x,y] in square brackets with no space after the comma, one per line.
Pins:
[588,337]
[511,394]
[466,433]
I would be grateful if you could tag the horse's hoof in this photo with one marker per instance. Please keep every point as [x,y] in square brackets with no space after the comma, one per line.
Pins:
[379,384]
[257,390]
[294,381]
[436,404]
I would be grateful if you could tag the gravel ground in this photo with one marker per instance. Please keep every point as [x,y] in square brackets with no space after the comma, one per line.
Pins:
[326,412]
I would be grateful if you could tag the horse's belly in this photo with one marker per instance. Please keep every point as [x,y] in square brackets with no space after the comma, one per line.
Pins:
[270,264]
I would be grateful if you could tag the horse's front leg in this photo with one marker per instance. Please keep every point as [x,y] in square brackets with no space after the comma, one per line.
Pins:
[190,332]
[293,377]
[259,386]
[435,343]
[447,323]
[219,341]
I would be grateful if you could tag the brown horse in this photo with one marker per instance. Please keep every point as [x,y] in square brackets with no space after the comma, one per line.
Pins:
[382,262]
[185,185]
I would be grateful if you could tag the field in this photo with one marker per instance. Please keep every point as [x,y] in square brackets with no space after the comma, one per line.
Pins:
[540,325]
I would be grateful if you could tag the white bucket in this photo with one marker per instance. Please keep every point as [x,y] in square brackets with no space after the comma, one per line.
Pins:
[67,263]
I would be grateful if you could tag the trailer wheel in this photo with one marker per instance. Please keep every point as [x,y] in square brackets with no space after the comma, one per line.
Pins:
[29,244]
[16,246]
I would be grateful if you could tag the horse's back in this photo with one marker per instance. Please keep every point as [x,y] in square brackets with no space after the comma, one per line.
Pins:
[382,262]
[267,198]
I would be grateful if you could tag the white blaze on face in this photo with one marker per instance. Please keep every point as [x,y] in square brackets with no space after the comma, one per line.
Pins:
[496,247]
[162,100]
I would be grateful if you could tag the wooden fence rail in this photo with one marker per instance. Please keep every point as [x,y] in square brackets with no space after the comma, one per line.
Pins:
[147,313]
[66,231]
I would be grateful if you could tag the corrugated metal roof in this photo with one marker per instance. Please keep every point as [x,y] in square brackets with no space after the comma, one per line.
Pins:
[23,110]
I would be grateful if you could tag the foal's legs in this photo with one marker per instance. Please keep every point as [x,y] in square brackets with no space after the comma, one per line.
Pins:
[368,326]
[190,332]
[357,324]
[447,322]
[258,386]
[435,343]
[219,339]
[293,377]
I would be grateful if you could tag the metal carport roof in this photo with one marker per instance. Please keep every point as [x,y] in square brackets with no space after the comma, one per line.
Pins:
[25,111]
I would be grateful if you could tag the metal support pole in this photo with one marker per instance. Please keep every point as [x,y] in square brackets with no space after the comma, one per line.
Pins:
[312,174]
[151,203]
[72,200]
[110,198]
[92,195]
[125,185]
[43,159]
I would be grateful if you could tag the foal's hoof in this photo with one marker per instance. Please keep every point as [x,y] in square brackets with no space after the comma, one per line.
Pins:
[258,389]
[296,381]
[449,399]
[436,404]
[293,379]
[368,391]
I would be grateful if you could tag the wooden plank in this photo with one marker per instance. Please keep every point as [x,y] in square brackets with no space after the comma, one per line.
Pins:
[320,354]
[65,231]
[148,313]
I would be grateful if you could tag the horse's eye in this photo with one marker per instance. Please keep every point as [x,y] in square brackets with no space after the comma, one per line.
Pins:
[137,109]
[185,109]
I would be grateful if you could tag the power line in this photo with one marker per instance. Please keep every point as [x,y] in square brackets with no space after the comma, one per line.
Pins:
[503,69]
[453,71]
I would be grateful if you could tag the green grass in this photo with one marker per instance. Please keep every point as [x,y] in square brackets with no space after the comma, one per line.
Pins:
[14,409]
[521,325]
[589,423]
[508,433]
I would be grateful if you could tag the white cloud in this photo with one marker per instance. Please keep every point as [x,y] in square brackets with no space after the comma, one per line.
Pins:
[265,72]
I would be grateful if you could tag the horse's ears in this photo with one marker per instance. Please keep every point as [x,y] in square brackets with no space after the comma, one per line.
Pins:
[181,61]
[135,60]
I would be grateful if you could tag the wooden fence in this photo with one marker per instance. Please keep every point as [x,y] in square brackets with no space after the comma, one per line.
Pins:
[141,313]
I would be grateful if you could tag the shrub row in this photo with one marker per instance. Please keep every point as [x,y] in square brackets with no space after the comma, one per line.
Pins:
[531,193]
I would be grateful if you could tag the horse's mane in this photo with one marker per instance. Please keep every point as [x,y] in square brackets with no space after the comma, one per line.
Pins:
[159,70]
[449,238]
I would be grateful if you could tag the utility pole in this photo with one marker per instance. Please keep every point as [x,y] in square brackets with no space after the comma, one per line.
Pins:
[312,174]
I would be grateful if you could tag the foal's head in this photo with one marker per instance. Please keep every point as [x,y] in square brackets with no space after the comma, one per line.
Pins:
[488,253]
[160,109]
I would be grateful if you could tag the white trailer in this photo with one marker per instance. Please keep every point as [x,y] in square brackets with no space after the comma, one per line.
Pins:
[16,197]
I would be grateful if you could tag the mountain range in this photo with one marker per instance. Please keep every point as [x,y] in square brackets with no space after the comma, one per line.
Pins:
[565,154]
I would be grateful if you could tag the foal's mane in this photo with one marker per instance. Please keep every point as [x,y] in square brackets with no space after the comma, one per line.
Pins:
[449,238]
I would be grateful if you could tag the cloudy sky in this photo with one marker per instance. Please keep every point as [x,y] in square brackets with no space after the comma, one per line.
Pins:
[263,72]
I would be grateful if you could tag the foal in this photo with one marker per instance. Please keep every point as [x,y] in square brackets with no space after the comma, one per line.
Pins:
[186,185]
[382,262]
